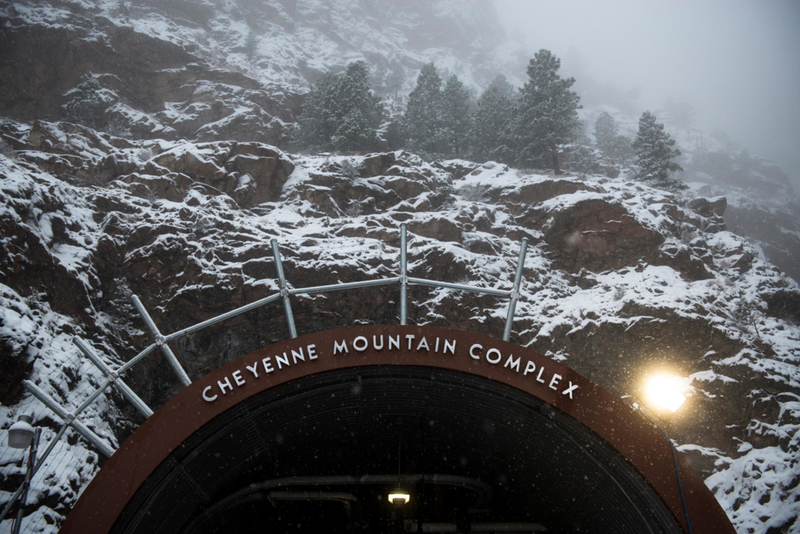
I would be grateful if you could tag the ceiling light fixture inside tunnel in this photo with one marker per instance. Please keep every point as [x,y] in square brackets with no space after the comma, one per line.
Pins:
[399,496]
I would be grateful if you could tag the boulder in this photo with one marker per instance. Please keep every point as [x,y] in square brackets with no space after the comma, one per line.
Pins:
[534,193]
[377,164]
[597,235]
[709,207]
[439,228]
[268,170]
[545,190]
[191,163]
[457,168]
[406,188]
[691,267]
[172,186]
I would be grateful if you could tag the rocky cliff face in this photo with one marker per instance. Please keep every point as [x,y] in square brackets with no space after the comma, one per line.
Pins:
[145,87]
[181,175]
[620,280]
[205,70]
[762,204]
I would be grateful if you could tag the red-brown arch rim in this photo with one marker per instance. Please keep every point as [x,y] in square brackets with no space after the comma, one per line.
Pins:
[643,446]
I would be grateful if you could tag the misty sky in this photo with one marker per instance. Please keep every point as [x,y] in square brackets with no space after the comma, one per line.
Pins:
[737,62]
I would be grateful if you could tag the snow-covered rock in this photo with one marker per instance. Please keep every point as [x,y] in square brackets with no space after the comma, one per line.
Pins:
[619,278]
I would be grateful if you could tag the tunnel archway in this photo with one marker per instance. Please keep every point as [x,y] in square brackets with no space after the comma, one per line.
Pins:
[311,434]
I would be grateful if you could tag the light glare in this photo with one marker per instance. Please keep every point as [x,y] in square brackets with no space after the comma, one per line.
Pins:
[396,498]
[663,392]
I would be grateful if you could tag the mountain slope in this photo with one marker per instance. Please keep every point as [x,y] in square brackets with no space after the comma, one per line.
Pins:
[620,279]
[233,70]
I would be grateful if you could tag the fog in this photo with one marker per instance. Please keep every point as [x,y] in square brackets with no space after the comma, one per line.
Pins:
[736,62]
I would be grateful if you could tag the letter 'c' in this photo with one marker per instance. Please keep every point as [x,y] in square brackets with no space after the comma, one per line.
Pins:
[472,351]
[206,397]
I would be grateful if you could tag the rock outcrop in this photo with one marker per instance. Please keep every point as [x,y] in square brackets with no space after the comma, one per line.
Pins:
[619,278]
[145,88]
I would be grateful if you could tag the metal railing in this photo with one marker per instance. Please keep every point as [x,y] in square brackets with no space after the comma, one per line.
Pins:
[285,292]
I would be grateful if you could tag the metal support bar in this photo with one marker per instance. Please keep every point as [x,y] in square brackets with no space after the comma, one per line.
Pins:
[90,436]
[228,315]
[28,475]
[461,287]
[127,392]
[91,398]
[50,447]
[512,305]
[161,342]
[403,275]
[346,285]
[31,471]
[11,502]
[133,361]
[287,304]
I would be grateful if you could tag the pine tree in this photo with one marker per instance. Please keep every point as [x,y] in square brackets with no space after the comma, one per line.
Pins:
[317,123]
[622,150]
[85,103]
[491,123]
[377,77]
[605,132]
[655,150]
[584,160]
[340,113]
[614,146]
[360,111]
[396,77]
[354,133]
[547,114]
[456,119]
[422,124]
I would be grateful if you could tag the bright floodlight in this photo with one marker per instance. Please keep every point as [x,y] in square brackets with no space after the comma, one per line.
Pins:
[663,392]
[398,496]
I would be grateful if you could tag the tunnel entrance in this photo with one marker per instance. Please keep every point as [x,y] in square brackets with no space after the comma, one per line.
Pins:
[314,434]
[323,454]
